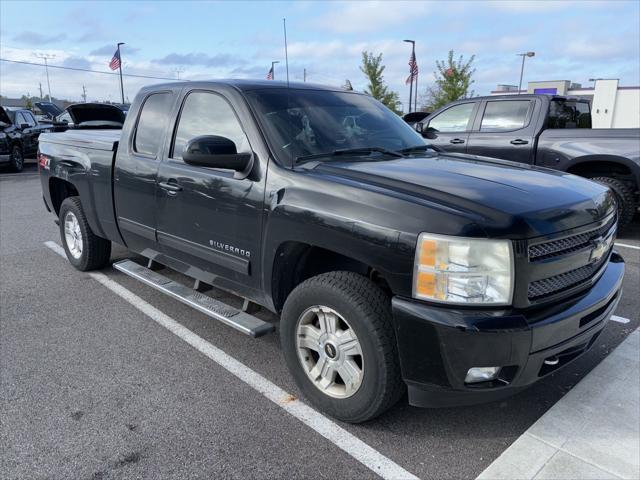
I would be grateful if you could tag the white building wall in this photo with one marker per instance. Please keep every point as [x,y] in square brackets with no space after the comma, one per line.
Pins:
[626,112]
[604,101]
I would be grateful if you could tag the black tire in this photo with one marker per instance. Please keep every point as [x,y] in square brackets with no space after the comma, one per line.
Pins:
[368,311]
[624,197]
[16,163]
[96,251]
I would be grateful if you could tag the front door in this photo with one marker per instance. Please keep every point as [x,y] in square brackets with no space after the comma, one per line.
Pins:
[450,128]
[207,217]
[136,168]
[505,130]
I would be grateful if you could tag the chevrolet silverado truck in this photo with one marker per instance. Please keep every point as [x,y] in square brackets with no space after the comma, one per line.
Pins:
[392,266]
[546,130]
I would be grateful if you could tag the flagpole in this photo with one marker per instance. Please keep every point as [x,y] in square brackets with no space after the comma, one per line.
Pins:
[413,56]
[120,68]
[286,53]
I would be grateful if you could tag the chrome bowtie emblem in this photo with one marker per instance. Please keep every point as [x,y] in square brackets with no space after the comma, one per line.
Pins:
[600,247]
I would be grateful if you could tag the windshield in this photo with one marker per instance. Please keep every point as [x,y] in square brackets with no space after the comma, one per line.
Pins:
[300,123]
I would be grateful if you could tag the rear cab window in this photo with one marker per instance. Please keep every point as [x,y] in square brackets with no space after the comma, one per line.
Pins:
[505,115]
[149,134]
[566,113]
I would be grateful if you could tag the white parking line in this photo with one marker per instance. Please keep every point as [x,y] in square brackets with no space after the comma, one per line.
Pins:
[626,245]
[337,435]
[618,319]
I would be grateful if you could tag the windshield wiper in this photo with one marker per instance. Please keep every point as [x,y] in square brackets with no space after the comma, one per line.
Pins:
[421,148]
[350,151]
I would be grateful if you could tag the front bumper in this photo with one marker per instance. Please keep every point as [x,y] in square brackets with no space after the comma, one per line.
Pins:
[438,345]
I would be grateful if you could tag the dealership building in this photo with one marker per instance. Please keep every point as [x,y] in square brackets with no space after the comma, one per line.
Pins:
[612,105]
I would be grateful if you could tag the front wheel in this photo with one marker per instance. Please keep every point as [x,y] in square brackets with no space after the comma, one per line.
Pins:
[17,159]
[339,344]
[84,249]
[624,198]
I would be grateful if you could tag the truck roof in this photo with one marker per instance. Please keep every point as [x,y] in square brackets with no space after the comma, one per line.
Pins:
[528,95]
[248,85]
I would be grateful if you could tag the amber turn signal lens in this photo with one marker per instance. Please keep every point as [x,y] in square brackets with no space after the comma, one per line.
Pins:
[428,253]
[426,284]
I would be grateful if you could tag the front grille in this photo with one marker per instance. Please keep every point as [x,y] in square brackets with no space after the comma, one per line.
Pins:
[563,246]
[559,283]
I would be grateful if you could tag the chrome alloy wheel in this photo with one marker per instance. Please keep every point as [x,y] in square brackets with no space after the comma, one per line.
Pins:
[329,351]
[73,235]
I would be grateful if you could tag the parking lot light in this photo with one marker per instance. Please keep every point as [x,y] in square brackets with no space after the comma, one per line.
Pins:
[523,55]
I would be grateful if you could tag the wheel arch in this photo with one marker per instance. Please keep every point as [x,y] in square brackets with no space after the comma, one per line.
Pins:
[296,261]
[614,166]
[59,190]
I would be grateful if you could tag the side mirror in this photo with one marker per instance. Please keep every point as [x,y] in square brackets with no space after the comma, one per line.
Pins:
[214,151]
[24,125]
[419,127]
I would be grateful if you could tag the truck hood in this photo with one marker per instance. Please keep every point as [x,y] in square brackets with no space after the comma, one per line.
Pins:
[50,109]
[82,113]
[504,198]
[4,118]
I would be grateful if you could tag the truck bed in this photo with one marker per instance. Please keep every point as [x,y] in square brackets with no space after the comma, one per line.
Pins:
[93,139]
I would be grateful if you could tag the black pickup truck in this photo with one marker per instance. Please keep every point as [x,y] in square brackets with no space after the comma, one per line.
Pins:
[546,130]
[19,132]
[391,265]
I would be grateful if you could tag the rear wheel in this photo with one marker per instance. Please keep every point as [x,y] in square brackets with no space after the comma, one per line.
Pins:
[624,197]
[339,344]
[16,162]
[84,249]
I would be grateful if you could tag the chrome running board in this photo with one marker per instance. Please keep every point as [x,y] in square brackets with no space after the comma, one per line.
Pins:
[241,321]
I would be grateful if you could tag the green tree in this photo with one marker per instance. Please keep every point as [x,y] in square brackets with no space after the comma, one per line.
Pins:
[372,68]
[28,103]
[453,81]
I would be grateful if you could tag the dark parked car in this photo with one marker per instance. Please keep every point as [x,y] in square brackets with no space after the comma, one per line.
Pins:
[546,130]
[392,266]
[19,132]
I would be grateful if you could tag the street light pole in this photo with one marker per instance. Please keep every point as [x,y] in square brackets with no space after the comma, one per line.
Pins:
[413,55]
[45,57]
[523,55]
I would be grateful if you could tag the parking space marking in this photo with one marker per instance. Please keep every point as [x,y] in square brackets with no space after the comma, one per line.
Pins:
[626,245]
[349,443]
[618,319]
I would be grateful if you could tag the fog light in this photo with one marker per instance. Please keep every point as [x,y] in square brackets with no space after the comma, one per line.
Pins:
[481,374]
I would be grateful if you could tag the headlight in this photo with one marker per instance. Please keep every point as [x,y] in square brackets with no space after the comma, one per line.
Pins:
[463,270]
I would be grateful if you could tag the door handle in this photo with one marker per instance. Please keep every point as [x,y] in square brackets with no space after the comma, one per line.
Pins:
[519,141]
[170,186]
[456,140]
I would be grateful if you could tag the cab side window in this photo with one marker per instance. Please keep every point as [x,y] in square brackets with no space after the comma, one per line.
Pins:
[205,113]
[151,124]
[454,119]
[31,120]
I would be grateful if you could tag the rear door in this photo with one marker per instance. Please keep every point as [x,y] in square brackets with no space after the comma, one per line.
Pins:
[505,129]
[449,129]
[136,169]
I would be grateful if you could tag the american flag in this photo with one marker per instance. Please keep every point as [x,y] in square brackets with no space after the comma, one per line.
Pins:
[270,74]
[413,68]
[114,64]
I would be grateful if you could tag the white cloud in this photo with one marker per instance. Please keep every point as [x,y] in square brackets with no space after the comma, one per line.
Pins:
[358,17]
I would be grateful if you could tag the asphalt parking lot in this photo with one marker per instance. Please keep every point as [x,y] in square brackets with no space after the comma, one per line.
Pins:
[91,387]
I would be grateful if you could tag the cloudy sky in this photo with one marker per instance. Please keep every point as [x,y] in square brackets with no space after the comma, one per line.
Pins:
[573,40]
